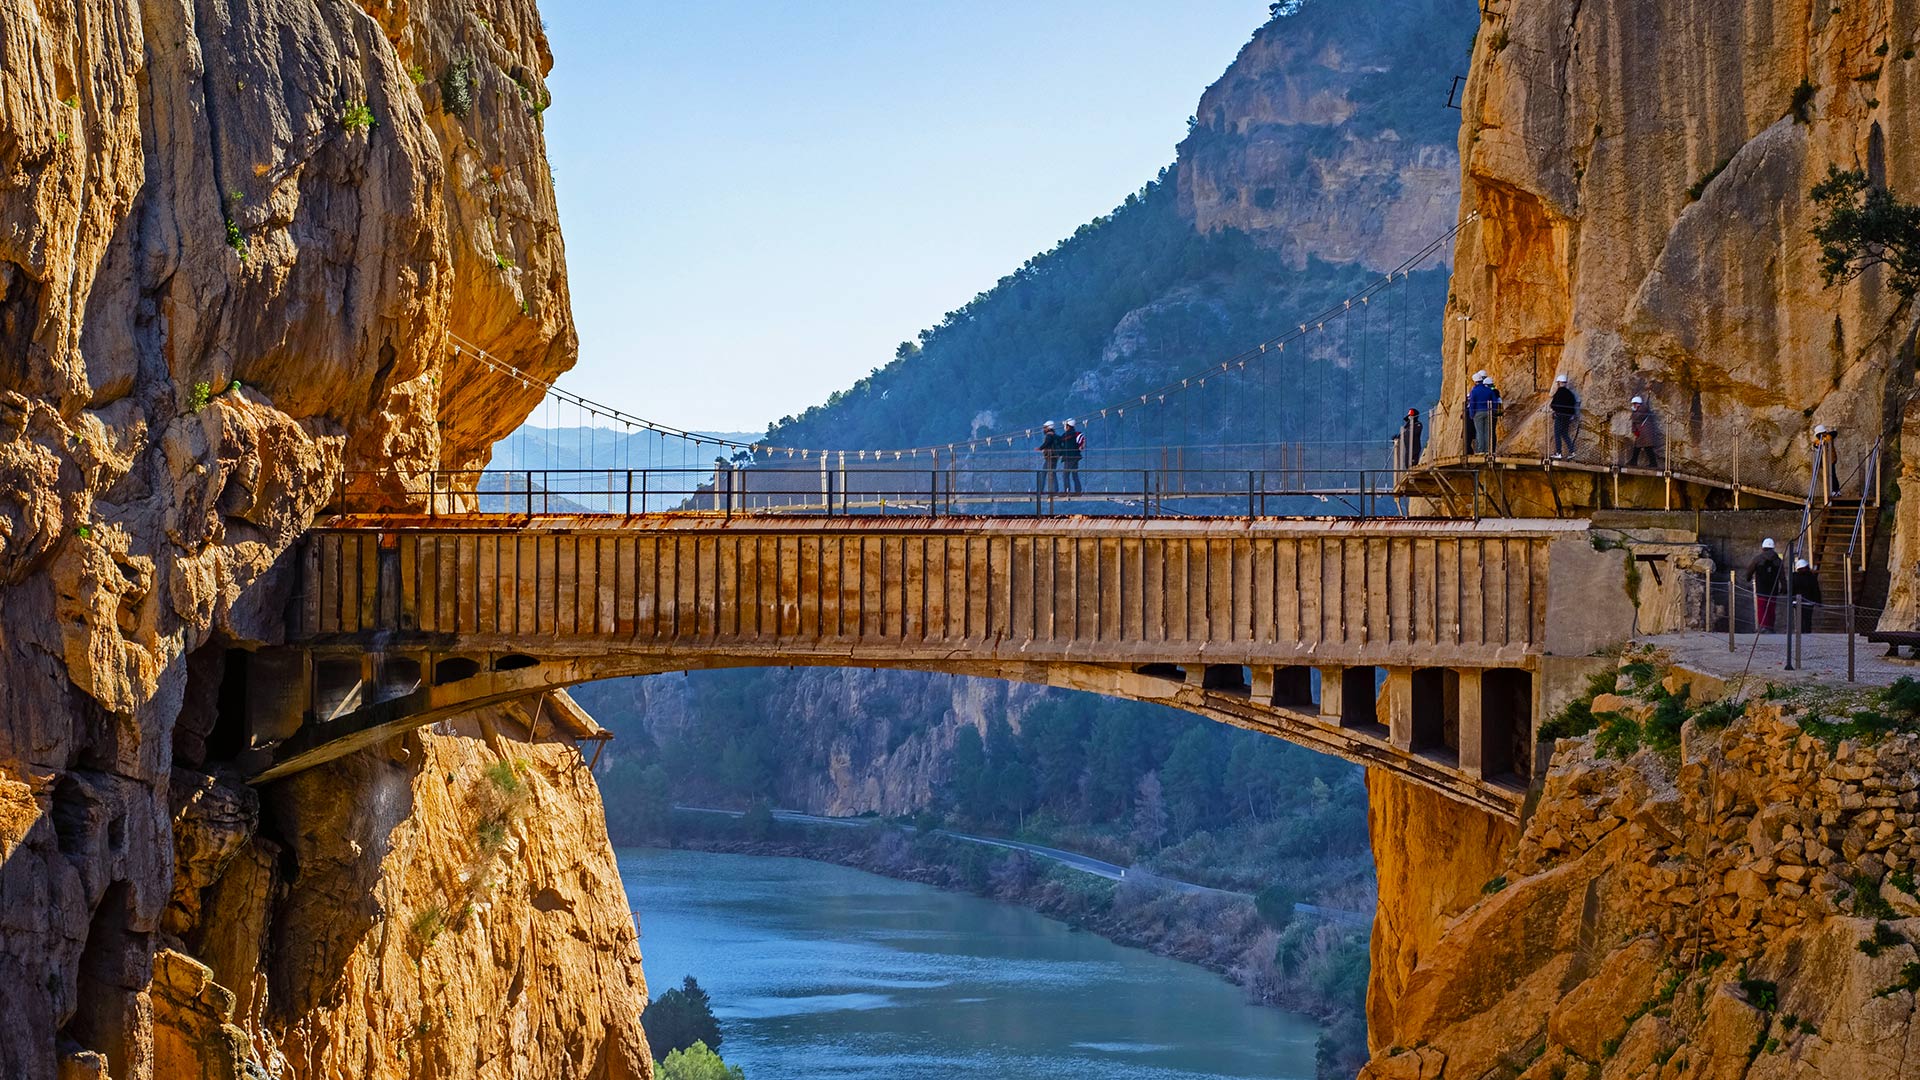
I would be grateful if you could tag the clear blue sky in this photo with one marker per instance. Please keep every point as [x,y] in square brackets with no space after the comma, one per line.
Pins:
[761,199]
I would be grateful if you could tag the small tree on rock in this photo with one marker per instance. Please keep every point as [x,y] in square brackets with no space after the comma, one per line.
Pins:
[1862,225]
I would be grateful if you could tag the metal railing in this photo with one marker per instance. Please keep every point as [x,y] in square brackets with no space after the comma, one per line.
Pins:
[951,490]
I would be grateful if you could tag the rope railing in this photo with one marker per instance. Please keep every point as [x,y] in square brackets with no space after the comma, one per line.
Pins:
[595,411]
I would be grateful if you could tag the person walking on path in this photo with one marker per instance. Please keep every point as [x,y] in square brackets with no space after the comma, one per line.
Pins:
[1047,476]
[1644,432]
[1764,573]
[1805,586]
[1073,443]
[1410,440]
[1483,403]
[1826,464]
[1565,406]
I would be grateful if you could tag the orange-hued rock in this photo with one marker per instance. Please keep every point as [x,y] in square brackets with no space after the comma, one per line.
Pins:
[1703,917]
[441,916]
[236,245]
[1432,857]
[1641,178]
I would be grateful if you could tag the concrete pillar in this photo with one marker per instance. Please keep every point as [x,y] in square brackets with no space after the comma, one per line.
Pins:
[1331,681]
[1263,684]
[1400,707]
[277,694]
[1473,727]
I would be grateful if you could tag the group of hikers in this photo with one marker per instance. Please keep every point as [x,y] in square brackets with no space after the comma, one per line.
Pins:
[1767,575]
[1483,408]
[1060,452]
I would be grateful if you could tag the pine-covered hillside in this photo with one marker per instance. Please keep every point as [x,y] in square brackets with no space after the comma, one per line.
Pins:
[1324,157]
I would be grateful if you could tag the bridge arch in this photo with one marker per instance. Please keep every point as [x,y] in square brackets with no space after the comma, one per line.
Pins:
[1332,633]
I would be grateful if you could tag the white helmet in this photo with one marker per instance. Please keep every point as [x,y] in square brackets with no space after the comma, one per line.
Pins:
[1480,376]
[1559,378]
[1637,400]
[1767,544]
[1073,423]
[1819,429]
[1799,564]
[1048,424]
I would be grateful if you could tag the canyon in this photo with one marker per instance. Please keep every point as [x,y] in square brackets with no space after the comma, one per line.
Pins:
[246,256]
[237,244]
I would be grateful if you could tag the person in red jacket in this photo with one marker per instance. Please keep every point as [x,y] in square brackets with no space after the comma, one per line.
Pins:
[1073,443]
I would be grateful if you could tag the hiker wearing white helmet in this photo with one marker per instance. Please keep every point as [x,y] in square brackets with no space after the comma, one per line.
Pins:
[1826,462]
[1073,443]
[1565,407]
[1047,476]
[1804,587]
[1483,404]
[1766,574]
[1645,433]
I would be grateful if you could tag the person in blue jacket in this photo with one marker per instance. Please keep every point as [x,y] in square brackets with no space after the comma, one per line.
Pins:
[1483,404]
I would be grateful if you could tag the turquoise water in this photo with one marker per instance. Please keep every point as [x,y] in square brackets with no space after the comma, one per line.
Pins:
[817,971]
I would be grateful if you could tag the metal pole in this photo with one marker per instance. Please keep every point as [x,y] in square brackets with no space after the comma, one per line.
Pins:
[1793,616]
[1850,617]
[1733,608]
[1250,493]
[433,490]
[933,492]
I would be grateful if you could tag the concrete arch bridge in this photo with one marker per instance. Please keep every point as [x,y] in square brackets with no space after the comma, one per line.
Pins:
[1431,649]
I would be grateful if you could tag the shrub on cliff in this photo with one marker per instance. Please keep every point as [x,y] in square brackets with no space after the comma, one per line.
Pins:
[679,1019]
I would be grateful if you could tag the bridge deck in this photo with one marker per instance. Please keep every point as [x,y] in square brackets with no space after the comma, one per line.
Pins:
[412,618]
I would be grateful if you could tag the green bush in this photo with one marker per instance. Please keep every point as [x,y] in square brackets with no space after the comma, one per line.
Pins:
[1275,904]
[1619,737]
[1761,994]
[696,1062]
[357,117]
[505,777]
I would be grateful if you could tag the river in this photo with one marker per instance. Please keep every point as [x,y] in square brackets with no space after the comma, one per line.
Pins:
[819,971]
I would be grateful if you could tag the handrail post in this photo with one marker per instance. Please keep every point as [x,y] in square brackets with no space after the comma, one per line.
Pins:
[1250,493]
[933,492]
[1146,493]
[629,492]
[1733,608]
[1793,617]
[433,493]
[1850,617]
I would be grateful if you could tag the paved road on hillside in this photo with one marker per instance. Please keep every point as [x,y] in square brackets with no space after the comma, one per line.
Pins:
[1086,864]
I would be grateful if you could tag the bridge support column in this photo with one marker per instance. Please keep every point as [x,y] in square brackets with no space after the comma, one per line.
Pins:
[1332,679]
[1474,747]
[278,687]
[1400,707]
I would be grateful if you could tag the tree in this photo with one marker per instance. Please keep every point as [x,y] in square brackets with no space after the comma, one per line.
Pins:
[1275,904]
[1861,226]
[696,1062]
[681,1018]
[1149,814]
[1191,779]
[1115,748]
[1053,736]
[1011,781]
[969,785]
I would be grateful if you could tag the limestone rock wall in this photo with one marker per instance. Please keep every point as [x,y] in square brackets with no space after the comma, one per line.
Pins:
[1317,140]
[1641,171]
[236,243]
[1699,919]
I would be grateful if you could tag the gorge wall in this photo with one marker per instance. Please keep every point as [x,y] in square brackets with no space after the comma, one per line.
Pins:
[1641,172]
[236,242]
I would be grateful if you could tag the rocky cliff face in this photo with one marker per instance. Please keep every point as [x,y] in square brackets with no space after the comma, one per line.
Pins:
[236,243]
[1641,172]
[1321,142]
[1745,912]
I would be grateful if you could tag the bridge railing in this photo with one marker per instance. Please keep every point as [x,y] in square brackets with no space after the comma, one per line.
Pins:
[869,488]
